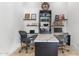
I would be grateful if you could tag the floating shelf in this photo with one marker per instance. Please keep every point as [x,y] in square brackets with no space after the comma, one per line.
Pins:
[29,19]
[32,25]
[57,26]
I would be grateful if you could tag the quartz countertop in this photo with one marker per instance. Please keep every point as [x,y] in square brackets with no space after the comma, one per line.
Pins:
[46,38]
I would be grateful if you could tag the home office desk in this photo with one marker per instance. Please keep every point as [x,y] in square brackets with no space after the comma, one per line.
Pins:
[46,45]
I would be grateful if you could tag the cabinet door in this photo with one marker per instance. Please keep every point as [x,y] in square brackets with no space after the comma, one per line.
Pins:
[46,49]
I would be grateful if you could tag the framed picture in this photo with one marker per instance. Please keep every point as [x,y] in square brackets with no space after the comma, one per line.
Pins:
[33,16]
[56,17]
[27,16]
[61,16]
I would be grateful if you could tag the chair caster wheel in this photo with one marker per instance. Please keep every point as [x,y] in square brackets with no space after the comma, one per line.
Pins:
[26,52]
[62,51]
[67,50]
[31,48]
[19,51]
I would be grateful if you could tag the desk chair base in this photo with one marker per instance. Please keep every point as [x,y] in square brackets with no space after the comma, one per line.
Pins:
[63,49]
[22,49]
[26,48]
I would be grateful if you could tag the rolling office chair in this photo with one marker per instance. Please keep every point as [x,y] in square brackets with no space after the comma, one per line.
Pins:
[62,42]
[28,41]
[24,40]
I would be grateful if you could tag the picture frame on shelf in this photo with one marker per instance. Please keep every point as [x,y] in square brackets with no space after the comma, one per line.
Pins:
[27,16]
[61,16]
[33,16]
[56,17]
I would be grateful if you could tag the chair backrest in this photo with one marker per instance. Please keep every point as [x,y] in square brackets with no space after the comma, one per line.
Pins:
[65,37]
[24,38]
[23,34]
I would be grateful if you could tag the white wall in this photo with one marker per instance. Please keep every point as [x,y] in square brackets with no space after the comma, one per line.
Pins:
[10,23]
[73,24]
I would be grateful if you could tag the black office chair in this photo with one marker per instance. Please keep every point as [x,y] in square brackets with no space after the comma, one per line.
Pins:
[24,40]
[28,41]
[62,42]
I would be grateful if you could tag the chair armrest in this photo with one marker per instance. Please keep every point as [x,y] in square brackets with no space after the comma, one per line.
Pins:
[32,38]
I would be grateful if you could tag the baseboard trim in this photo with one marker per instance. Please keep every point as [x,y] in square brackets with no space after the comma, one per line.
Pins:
[13,49]
[75,47]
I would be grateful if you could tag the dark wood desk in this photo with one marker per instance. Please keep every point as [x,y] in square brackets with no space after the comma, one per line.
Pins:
[46,45]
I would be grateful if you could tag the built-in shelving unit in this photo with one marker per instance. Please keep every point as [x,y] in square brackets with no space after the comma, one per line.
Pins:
[44,21]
